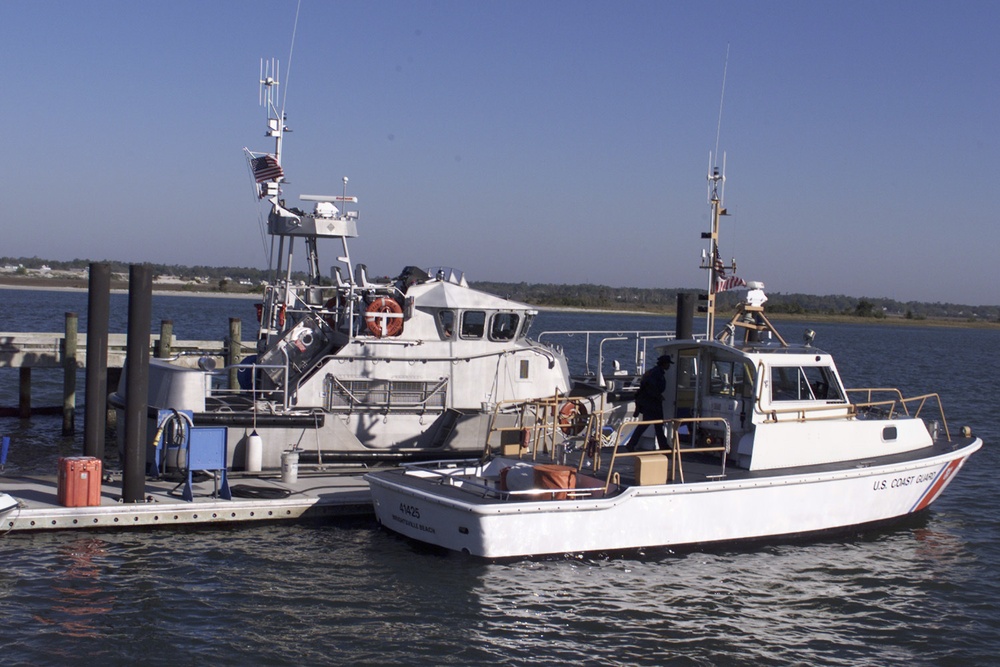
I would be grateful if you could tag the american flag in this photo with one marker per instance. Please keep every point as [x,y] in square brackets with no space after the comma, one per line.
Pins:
[266,168]
[732,282]
[722,283]
[717,261]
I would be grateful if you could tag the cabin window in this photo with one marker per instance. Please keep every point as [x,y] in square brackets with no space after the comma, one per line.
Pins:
[503,326]
[473,323]
[823,383]
[525,368]
[446,321]
[528,318]
[727,378]
[810,383]
[788,384]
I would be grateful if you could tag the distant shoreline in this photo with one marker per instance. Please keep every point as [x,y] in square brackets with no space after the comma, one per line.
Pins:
[63,285]
[69,285]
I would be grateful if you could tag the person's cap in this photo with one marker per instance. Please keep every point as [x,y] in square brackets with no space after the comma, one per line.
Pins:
[665,360]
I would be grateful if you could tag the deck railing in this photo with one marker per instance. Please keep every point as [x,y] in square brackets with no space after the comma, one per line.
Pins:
[889,408]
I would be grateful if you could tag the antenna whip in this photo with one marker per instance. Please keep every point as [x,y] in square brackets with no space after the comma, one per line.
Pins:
[288,70]
[722,97]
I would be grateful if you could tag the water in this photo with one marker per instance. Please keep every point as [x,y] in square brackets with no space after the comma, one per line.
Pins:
[924,593]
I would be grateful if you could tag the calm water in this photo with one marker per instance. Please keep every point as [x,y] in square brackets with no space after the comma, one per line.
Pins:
[925,593]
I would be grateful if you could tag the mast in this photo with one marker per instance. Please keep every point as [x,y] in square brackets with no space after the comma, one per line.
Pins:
[713,262]
[268,94]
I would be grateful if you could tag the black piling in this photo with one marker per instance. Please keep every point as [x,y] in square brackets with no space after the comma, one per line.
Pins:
[140,311]
[96,383]
[685,315]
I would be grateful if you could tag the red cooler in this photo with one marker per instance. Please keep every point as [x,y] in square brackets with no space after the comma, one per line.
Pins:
[79,481]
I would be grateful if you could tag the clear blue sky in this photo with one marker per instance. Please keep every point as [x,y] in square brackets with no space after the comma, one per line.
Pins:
[539,141]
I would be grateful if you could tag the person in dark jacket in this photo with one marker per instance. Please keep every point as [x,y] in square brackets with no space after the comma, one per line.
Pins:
[649,402]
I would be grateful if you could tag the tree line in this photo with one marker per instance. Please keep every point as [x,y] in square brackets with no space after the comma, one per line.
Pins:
[665,299]
[595,297]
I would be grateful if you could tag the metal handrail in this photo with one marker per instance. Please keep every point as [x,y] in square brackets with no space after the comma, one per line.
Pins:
[643,337]
[676,452]
[921,401]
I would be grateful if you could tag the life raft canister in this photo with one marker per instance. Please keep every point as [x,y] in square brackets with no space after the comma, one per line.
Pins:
[384,317]
[573,417]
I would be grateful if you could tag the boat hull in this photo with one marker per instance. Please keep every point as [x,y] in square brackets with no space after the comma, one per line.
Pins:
[663,515]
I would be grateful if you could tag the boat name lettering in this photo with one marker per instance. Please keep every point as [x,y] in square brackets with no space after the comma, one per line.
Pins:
[413,524]
[900,482]
[410,510]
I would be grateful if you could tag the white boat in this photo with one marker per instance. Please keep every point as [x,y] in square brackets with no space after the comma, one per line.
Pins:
[350,367]
[765,442]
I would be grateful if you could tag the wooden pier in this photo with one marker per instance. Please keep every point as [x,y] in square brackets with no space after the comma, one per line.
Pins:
[67,351]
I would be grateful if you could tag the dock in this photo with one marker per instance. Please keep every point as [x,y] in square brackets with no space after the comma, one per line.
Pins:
[255,498]
[66,351]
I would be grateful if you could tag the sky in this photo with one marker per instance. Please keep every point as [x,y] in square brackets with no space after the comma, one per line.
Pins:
[552,141]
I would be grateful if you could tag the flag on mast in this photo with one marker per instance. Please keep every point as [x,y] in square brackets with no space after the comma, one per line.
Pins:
[266,168]
[722,282]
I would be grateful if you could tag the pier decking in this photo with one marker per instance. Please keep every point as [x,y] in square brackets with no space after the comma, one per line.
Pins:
[312,495]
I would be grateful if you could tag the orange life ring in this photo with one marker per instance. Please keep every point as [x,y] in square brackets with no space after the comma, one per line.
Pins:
[384,317]
[330,311]
[573,417]
[260,314]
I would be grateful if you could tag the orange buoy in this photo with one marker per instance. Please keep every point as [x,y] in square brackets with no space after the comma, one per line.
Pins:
[384,317]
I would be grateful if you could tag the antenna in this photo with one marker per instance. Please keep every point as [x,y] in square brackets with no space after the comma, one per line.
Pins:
[716,192]
[288,70]
[268,81]
[722,97]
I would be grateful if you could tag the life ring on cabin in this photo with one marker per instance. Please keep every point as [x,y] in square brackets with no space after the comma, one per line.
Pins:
[280,315]
[330,311]
[573,417]
[384,317]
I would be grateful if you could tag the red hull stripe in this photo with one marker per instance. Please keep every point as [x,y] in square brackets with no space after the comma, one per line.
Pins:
[938,485]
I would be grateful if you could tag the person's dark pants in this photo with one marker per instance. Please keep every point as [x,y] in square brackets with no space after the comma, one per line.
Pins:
[655,414]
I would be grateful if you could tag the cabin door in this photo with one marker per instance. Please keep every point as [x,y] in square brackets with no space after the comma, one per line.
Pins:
[728,394]
[685,389]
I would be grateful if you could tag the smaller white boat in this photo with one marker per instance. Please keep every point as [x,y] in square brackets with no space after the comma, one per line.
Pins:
[764,442]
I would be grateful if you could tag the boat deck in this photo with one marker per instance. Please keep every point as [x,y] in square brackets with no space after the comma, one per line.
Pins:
[697,468]
[255,499]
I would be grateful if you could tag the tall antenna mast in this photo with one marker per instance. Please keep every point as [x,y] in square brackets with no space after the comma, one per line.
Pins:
[716,192]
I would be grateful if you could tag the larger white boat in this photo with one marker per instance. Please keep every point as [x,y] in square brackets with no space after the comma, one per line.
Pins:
[765,441]
[350,367]
[7,503]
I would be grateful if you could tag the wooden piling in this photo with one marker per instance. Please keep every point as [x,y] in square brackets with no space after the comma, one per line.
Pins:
[24,393]
[234,350]
[164,346]
[69,373]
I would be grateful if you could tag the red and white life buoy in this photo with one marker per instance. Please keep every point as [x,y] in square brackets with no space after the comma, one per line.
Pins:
[573,417]
[384,317]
